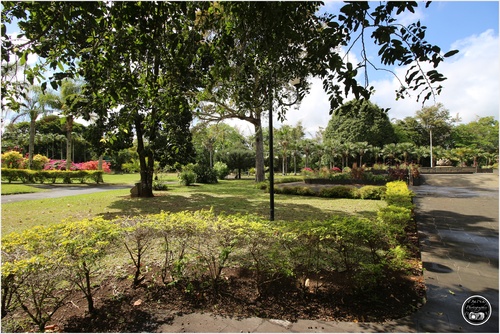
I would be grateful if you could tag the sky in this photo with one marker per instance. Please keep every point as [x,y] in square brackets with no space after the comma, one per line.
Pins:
[472,86]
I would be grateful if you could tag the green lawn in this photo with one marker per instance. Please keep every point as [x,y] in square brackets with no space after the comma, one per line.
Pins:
[15,188]
[231,196]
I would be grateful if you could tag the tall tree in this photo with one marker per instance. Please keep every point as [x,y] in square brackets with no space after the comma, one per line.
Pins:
[66,102]
[360,121]
[437,122]
[33,106]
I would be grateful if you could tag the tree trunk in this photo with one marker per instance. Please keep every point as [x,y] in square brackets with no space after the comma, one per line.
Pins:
[69,130]
[259,152]
[145,160]
[31,147]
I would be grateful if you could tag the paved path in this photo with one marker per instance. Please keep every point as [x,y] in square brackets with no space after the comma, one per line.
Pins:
[61,191]
[457,218]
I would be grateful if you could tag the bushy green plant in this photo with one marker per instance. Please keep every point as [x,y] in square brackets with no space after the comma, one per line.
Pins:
[371,192]
[369,177]
[205,174]
[339,192]
[295,190]
[221,170]
[344,177]
[39,162]
[159,186]
[34,271]
[398,194]
[187,176]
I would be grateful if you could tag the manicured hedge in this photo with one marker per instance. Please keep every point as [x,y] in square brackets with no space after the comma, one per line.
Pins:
[339,191]
[42,176]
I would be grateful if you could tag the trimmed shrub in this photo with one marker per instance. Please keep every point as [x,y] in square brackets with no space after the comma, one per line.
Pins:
[30,176]
[339,192]
[398,194]
[371,192]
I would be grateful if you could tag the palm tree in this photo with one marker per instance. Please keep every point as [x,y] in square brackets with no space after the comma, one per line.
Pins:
[65,102]
[283,136]
[376,152]
[347,149]
[32,107]
[308,149]
[361,148]
[405,149]
[333,148]
[421,152]
[390,151]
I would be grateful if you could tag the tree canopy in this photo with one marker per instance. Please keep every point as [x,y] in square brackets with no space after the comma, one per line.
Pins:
[360,121]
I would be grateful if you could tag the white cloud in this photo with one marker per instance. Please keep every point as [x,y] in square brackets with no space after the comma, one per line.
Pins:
[471,88]
[472,84]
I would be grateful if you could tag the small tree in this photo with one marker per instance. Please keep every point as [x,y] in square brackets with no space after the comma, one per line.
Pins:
[36,273]
[84,244]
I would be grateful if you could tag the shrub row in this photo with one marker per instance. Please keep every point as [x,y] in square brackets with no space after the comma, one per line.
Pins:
[340,191]
[42,176]
[190,247]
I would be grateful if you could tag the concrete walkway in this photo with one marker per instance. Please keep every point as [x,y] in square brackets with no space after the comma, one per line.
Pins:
[457,217]
[54,191]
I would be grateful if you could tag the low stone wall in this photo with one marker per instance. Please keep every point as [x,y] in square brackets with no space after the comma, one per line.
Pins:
[453,170]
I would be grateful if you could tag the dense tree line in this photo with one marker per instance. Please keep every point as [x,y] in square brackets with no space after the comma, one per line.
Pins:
[365,137]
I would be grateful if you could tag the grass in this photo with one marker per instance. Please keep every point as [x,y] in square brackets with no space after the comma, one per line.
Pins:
[230,196]
[13,188]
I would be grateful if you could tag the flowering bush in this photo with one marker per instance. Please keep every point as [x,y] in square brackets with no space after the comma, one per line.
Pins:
[93,165]
[39,161]
[12,159]
[88,165]
[307,172]
[335,170]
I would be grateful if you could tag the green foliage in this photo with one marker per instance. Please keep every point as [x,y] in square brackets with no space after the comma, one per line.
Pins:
[398,194]
[32,272]
[221,170]
[31,176]
[205,174]
[197,246]
[187,176]
[39,162]
[339,192]
[371,192]
[360,121]
[344,177]
[83,244]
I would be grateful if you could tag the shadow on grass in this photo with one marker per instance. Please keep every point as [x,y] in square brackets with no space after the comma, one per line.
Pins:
[231,204]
